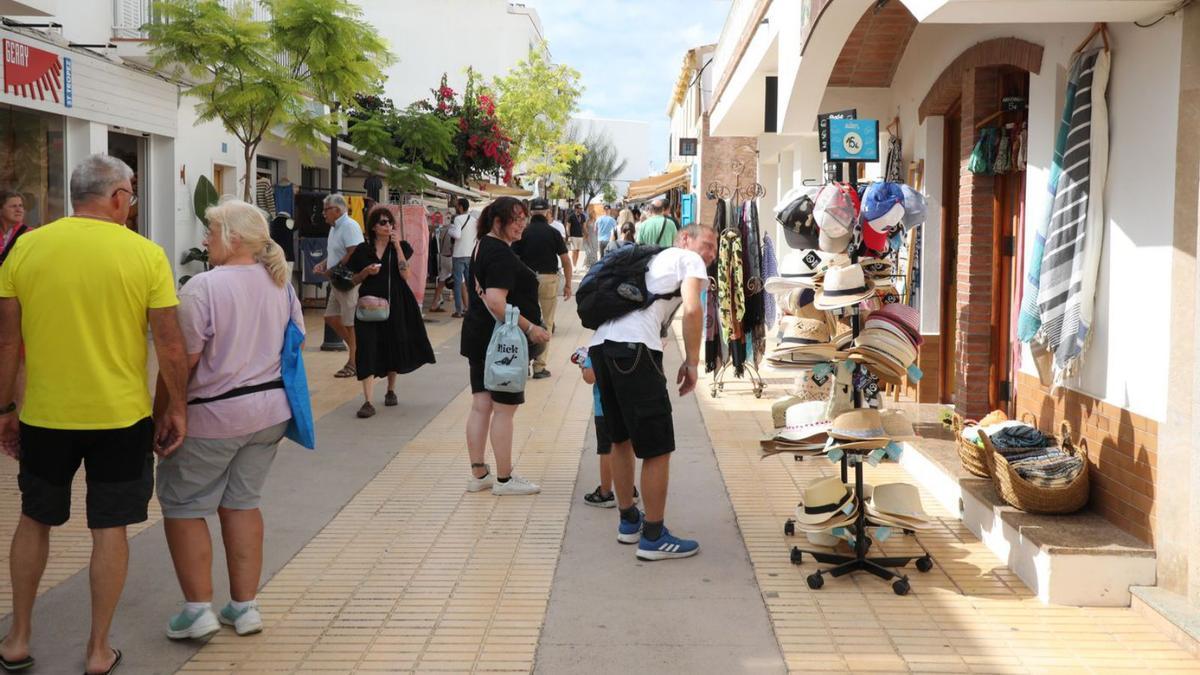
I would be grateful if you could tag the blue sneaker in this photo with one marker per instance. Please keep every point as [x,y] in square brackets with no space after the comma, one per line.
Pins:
[630,533]
[667,546]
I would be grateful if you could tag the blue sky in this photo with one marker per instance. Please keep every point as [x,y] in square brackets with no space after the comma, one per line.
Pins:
[629,53]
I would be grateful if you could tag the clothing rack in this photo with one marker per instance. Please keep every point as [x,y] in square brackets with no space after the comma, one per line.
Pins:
[885,567]
[739,193]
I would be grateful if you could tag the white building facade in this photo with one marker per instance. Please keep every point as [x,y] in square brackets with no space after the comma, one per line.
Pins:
[448,36]
[631,138]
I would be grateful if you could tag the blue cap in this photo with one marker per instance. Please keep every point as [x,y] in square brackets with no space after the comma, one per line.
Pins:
[880,198]
[915,209]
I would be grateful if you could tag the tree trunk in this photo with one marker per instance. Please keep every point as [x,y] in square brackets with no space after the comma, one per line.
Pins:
[248,152]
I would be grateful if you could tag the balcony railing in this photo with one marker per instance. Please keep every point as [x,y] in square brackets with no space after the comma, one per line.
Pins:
[130,15]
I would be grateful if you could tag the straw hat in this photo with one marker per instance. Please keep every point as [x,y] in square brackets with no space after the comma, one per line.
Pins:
[811,387]
[824,504]
[843,287]
[899,504]
[779,409]
[861,428]
[806,340]
[902,315]
[805,420]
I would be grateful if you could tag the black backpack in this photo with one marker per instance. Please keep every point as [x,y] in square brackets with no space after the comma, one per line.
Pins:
[616,285]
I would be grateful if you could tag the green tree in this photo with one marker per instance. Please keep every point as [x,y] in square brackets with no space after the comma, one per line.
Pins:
[256,76]
[596,168]
[609,193]
[536,101]
[403,145]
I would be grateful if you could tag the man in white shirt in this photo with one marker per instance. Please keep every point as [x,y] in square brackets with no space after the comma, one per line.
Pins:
[627,357]
[344,235]
[462,231]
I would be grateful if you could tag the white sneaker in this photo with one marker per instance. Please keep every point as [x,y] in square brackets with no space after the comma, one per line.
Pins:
[245,622]
[479,484]
[193,626]
[515,486]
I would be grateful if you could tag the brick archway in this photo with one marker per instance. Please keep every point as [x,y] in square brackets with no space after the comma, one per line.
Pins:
[974,80]
[991,53]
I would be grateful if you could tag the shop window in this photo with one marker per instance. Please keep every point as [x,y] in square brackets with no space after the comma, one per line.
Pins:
[269,168]
[32,158]
[313,177]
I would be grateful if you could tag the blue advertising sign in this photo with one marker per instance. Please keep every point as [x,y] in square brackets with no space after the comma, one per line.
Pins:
[853,140]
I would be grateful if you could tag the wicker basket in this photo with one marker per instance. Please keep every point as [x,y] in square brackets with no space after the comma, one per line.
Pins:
[1019,493]
[974,459]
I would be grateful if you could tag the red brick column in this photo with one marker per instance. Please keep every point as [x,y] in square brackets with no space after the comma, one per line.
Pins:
[980,98]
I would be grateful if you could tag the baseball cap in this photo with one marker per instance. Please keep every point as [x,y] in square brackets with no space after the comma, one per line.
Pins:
[879,199]
[539,204]
[915,209]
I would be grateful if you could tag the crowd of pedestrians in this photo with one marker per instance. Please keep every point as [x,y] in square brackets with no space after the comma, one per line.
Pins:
[219,409]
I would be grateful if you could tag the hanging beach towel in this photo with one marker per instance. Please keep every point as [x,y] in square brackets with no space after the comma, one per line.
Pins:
[507,359]
[1075,235]
[295,384]
[984,154]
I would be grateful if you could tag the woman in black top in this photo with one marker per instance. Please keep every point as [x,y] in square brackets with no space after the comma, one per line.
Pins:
[398,344]
[503,280]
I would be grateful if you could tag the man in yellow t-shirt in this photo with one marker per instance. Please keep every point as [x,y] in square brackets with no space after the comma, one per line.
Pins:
[80,292]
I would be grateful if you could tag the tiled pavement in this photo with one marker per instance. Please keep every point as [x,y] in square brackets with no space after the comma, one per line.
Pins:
[969,614]
[414,574]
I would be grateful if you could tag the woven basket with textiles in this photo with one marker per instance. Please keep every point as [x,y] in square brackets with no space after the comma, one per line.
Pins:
[974,459]
[1026,496]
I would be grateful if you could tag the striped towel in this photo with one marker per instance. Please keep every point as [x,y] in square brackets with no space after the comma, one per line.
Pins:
[1075,236]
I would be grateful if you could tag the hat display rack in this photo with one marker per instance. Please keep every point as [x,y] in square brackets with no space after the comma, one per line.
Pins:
[745,198]
[879,347]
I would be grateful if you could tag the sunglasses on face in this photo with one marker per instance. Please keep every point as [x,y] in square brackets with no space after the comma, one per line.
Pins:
[385,223]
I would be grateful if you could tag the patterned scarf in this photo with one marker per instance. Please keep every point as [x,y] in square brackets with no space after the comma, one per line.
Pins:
[731,280]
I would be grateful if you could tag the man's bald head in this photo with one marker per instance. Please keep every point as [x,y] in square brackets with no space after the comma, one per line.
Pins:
[658,206]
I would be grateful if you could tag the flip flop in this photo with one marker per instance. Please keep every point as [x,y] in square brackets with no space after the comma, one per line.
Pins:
[346,371]
[16,666]
[111,668]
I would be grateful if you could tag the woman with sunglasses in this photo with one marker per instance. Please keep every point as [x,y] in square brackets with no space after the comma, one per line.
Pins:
[398,343]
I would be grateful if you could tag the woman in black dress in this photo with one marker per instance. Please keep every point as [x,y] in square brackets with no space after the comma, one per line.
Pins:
[398,344]
[503,280]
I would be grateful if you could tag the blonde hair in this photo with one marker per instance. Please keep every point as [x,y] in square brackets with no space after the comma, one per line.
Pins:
[236,218]
[626,216]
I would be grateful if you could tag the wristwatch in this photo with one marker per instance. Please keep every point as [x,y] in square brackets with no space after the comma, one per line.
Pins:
[11,407]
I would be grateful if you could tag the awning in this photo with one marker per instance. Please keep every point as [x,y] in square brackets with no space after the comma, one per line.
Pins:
[641,190]
[501,190]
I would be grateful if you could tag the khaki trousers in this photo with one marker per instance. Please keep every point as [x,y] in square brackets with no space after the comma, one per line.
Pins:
[548,300]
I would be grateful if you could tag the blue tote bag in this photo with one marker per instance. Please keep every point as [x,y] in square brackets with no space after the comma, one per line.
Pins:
[295,384]
[507,355]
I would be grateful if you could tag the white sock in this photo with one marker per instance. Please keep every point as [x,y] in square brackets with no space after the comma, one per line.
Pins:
[193,608]
[239,606]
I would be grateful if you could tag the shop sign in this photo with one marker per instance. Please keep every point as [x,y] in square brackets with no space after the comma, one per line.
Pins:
[36,74]
[853,140]
[688,146]
[823,124]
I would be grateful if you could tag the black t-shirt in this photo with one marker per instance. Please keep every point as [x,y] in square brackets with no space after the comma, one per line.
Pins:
[576,220]
[494,265]
[540,246]
[377,285]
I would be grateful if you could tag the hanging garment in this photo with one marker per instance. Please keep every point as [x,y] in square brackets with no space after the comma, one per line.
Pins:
[1075,236]
[752,318]
[357,209]
[770,268]
[414,229]
[712,322]
[1021,147]
[264,196]
[1003,161]
[373,185]
[285,199]
[310,217]
[283,236]
[731,281]
[983,156]
[894,170]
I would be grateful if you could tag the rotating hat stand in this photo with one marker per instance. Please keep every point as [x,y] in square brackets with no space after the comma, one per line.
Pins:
[884,567]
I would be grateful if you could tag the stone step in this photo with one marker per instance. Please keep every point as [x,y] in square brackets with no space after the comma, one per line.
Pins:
[1077,560]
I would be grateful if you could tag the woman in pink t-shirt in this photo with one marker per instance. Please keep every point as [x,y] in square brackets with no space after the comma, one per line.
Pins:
[233,319]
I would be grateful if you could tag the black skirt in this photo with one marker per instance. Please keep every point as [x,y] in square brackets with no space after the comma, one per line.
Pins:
[398,345]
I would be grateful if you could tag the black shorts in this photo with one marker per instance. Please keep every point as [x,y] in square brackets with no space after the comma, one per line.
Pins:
[633,393]
[603,442]
[119,467]
[501,397]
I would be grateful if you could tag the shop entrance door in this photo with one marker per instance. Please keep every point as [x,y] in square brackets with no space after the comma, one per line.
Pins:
[1009,214]
[951,163]
[132,150]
